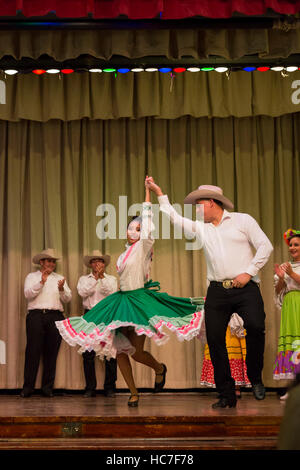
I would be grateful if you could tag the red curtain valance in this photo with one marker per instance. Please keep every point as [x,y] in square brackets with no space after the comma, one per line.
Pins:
[146,9]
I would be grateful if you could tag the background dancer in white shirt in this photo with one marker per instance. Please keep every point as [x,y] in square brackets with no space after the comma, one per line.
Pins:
[227,239]
[93,288]
[46,291]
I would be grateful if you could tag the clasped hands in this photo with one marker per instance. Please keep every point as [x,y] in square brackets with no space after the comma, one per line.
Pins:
[281,269]
[45,274]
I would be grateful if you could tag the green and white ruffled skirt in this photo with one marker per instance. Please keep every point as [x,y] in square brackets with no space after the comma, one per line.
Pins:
[146,310]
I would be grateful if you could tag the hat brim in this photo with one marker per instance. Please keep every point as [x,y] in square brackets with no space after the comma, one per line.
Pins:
[37,258]
[87,259]
[194,196]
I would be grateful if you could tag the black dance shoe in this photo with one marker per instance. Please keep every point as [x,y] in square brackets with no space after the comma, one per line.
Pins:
[224,402]
[158,386]
[133,401]
[259,391]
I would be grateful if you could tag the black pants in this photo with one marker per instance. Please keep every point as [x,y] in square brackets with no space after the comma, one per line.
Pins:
[219,305]
[90,373]
[43,340]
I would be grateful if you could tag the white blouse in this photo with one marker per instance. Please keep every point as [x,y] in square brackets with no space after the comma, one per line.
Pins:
[134,264]
[290,284]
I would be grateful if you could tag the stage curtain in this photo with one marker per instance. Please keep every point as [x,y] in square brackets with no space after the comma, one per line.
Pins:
[137,9]
[54,175]
[171,44]
[158,95]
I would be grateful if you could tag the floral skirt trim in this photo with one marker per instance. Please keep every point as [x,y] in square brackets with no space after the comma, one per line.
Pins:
[287,365]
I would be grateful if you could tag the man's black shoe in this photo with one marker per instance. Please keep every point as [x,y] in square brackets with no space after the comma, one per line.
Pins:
[224,402]
[259,391]
[48,393]
[89,394]
[25,393]
[109,393]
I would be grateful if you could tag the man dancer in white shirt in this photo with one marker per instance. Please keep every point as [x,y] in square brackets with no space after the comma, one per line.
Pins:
[232,272]
[46,291]
[93,288]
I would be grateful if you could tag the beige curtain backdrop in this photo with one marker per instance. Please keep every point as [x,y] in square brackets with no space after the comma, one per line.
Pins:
[54,175]
[138,95]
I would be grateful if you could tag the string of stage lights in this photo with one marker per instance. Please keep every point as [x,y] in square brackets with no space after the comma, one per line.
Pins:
[176,70]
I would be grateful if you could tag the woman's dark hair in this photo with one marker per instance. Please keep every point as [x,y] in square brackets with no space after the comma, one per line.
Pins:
[134,218]
[294,236]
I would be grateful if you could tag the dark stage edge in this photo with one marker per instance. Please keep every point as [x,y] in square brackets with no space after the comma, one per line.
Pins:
[165,421]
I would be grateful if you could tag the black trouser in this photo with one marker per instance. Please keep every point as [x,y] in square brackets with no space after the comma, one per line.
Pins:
[43,339]
[219,305]
[90,373]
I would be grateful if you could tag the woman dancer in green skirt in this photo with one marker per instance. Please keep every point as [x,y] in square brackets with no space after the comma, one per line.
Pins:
[287,295]
[118,325]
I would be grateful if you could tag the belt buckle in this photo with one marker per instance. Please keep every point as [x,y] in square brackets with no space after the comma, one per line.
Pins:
[227,284]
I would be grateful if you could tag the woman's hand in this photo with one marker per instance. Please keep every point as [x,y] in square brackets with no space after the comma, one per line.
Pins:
[279,271]
[149,182]
[287,268]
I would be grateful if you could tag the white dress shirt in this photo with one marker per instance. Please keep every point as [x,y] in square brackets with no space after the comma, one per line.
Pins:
[133,265]
[46,296]
[228,245]
[93,290]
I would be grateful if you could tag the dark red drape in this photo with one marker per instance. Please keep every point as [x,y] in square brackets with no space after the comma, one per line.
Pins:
[143,9]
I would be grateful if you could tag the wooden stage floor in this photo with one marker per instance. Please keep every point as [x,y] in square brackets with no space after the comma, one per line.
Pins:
[161,421]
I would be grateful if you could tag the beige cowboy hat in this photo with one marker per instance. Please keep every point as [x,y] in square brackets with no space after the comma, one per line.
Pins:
[208,191]
[45,254]
[96,254]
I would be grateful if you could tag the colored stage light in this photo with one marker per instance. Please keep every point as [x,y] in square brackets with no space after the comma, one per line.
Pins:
[10,71]
[221,69]
[123,70]
[39,71]
[291,68]
[108,70]
[137,69]
[179,69]
[151,69]
[263,69]
[165,69]
[193,69]
[95,70]
[277,68]
[67,71]
[249,69]
[207,69]
[53,71]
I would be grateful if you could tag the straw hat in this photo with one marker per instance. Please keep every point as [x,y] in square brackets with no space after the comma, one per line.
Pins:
[45,254]
[208,192]
[96,254]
